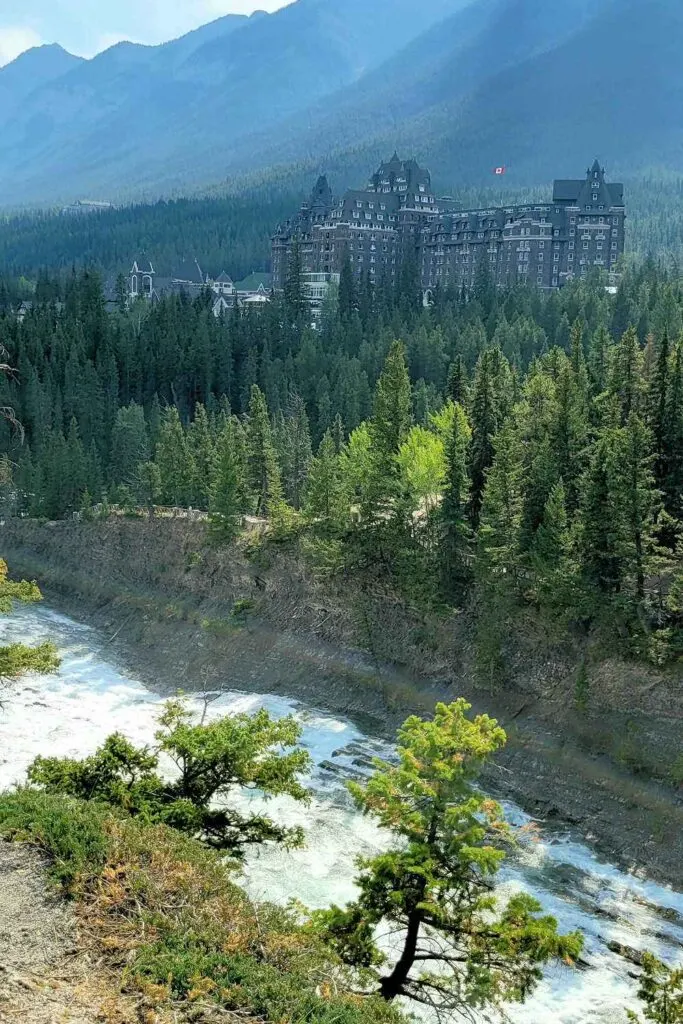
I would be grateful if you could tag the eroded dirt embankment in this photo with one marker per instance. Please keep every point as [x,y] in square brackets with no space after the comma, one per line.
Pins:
[182,614]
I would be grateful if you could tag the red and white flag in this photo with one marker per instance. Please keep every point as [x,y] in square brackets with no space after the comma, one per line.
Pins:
[500,170]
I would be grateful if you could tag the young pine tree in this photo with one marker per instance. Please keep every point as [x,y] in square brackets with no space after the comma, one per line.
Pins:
[461,946]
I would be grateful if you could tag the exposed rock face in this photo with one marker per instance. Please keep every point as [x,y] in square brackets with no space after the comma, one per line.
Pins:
[169,601]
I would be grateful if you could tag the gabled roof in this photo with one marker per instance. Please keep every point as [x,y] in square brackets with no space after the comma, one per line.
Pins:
[253,282]
[188,271]
[580,191]
[224,279]
[142,266]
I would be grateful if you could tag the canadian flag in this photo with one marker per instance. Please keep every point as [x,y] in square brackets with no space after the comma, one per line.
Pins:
[500,170]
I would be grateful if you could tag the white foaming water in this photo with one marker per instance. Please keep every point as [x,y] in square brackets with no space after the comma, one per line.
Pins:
[70,713]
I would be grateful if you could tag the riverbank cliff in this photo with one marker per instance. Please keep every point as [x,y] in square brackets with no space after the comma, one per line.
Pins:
[181,614]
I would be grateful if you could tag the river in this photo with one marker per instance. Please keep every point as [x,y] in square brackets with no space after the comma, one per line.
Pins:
[71,712]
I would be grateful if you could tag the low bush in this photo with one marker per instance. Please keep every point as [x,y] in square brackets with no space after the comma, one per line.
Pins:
[166,912]
[70,832]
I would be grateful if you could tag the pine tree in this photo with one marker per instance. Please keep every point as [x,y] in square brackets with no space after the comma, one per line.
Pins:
[552,555]
[499,534]
[203,449]
[295,304]
[637,498]
[457,388]
[626,374]
[455,545]
[672,446]
[393,404]
[294,450]
[228,499]
[348,299]
[485,422]
[129,445]
[601,533]
[657,405]
[263,472]
[327,499]
[174,461]
[459,944]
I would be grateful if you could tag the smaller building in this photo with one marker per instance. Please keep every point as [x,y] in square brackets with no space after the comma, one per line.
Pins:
[189,279]
[87,206]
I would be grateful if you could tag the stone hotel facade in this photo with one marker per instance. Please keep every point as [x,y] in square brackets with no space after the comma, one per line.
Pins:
[397,216]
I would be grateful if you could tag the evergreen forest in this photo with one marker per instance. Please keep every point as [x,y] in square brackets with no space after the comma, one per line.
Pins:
[494,452]
[231,231]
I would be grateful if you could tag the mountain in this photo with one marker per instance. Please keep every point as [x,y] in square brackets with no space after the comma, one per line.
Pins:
[426,91]
[336,84]
[139,118]
[540,87]
[31,70]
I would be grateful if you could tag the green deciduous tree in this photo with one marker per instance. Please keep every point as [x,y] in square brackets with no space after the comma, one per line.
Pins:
[461,947]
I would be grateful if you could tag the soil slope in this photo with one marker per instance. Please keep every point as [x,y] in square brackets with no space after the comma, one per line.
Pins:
[181,614]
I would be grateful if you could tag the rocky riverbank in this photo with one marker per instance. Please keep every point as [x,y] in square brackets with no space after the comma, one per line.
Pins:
[180,614]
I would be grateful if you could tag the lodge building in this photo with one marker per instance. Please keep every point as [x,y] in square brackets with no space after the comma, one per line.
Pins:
[398,216]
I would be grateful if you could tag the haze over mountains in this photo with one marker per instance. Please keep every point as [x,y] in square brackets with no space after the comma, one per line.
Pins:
[540,85]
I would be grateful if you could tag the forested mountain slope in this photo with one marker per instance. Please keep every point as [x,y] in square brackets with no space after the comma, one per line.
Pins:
[138,118]
[524,83]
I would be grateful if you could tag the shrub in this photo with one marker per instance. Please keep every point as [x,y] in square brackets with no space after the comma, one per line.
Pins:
[70,832]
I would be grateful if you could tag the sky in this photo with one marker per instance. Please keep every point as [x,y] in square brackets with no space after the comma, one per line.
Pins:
[87,26]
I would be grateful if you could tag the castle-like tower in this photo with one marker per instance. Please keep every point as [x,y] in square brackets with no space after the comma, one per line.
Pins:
[397,216]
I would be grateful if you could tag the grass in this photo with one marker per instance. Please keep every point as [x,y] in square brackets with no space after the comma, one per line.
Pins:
[166,913]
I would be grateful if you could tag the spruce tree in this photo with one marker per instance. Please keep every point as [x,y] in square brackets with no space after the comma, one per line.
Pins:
[227,496]
[263,472]
[348,299]
[203,450]
[392,414]
[455,548]
[485,422]
[327,498]
[129,445]
[637,499]
[457,389]
[174,461]
[657,405]
[294,450]
[626,374]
